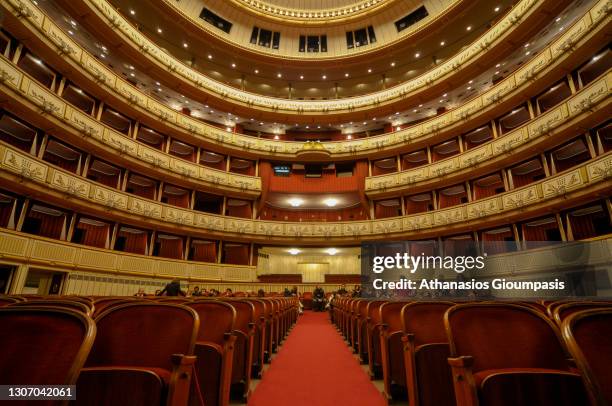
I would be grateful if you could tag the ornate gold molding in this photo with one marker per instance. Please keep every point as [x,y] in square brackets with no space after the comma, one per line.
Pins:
[595,97]
[592,24]
[36,175]
[106,13]
[33,250]
[88,128]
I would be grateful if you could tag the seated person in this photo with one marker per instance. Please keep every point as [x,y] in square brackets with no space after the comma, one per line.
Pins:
[140,293]
[196,292]
[342,291]
[318,299]
[172,289]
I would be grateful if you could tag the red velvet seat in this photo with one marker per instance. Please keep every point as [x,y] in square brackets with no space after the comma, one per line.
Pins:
[392,359]
[362,335]
[67,304]
[43,345]
[307,300]
[142,355]
[7,300]
[588,334]
[243,347]
[428,376]
[373,325]
[268,334]
[259,336]
[507,354]
[215,351]
[565,310]
[102,304]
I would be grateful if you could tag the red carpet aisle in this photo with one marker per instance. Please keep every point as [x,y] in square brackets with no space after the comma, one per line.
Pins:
[315,368]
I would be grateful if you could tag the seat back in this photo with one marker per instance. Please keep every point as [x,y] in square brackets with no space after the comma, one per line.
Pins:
[66,304]
[588,334]
[107,302]
[565,310]
[425,320]
[43,345]
[7,300]
[217,318]
[502,335]
[144,334]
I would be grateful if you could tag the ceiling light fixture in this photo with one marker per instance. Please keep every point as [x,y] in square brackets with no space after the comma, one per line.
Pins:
[132,12]
[294,251]
[301,76]
[295,202]
[256,71]
[442,43]
[159,30]
[331,202]
[468,28]
[369,70]
[185,45]
[332,251]
[497,9]
[209,56]
[233,65]
[324,77]
[392,64]
[346,75]
[417,55]
[279,75]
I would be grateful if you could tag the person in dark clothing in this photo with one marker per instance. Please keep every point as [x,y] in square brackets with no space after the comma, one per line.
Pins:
[172,289]
[261,293]
[294,291]
[287,292]
[196,292]
[342,291]
[318,299]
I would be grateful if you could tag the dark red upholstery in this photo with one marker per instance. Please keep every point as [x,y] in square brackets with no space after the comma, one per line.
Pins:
[373,324]
[565,310]
[588,334]
[428,376]
[43,345]
[67,304]
[307,300]
[504,339]
[137,340]
[243,347]
[6,300]
[215,351]
[259,337]
[391,349]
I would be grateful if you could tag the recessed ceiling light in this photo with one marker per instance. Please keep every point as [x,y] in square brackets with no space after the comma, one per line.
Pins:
[132,74]
[420,105]
[527,53]
[346,75]
[132,12]
[497,72]
[256,71]
[301,76]
[445,94]
[526,45]
[397,113]
[294,251]
[392,63]
[159,30]
[497,9]
[70,32]
[468,28]
[469,88]
[558,19]
[470,82]
[331,202]
[279,75]
[276,137]
[295,202]
[442,43]
[233,65]
[369,70]
[418,54]
[185,45]
[102,56]
[398,128]
[349,137]
[228,129]
[332,251]
[209,56]
[324,77]
[260,123]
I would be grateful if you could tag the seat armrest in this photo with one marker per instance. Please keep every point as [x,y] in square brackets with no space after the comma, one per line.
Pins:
[180,379]
[466,392]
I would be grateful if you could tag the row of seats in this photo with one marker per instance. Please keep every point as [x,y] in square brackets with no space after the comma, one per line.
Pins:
[442,353]
[142,351]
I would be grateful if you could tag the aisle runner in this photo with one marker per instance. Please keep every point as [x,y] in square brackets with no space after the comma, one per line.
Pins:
[315,367]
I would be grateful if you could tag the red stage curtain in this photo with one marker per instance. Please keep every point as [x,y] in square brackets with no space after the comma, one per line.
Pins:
[94,235]
[237,254]
[50,226]
[134,243]
[205,251]
[583,227]
[171,248]
[243,211]
[178,200]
